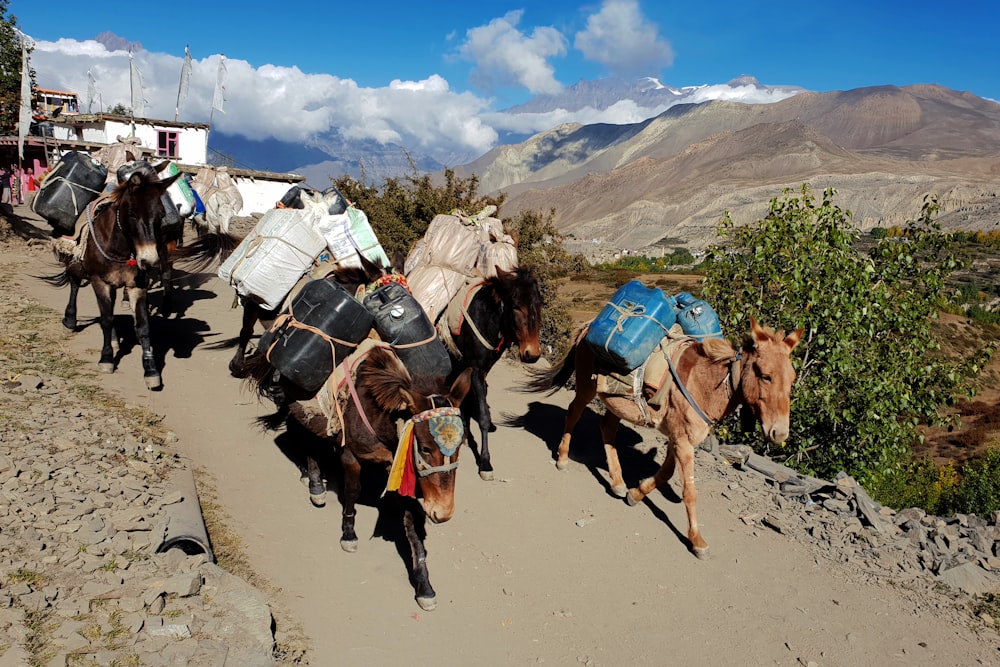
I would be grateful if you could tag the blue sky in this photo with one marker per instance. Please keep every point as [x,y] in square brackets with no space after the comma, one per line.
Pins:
[436,75]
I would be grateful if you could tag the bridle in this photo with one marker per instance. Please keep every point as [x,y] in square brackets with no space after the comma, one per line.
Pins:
[131,261]
[448,431]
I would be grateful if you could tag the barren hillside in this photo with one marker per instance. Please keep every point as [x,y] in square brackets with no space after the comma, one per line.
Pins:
[669,179]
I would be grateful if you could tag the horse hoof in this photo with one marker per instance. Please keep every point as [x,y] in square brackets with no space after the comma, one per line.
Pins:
[350,546]
[427,604]
[69,325]
[562,465]
[701,553]
[106,368]
[153,382]
[319,500]
[630,499]
[620,491]
[486,475]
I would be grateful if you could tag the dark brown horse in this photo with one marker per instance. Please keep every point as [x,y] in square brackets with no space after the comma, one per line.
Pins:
[712,380]
[483,321]
[123,246]
[425,451]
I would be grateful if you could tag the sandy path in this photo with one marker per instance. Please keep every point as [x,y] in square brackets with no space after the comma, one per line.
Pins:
[519,579]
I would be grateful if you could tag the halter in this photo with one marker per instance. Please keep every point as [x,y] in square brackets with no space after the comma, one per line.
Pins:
[131,261]
[447,429]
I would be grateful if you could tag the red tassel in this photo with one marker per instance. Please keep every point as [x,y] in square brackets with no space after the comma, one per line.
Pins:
[131,262]
[408,485]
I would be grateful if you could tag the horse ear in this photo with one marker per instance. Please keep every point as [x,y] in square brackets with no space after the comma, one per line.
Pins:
[758,332]
[460,387]
[408,401]
[792,339]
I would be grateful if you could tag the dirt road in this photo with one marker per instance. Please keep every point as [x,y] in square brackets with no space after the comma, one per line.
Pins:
[538,566]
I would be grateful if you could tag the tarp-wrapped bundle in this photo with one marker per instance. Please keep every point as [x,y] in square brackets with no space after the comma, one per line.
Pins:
[221,197]
[455,247]
[348,235]
[75,181]
[273,256]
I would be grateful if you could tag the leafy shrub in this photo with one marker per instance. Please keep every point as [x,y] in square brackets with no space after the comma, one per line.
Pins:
[867,373]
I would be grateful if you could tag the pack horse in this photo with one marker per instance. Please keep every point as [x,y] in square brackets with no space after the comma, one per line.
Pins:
[712,379]
[122,246]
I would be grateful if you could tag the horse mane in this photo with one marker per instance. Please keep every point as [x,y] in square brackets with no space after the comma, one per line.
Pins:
[718,350]
[384,374]
[523,278]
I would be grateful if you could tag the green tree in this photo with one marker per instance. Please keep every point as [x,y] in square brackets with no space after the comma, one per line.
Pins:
[119,110]
[868,372]
[10,69]
[402,208]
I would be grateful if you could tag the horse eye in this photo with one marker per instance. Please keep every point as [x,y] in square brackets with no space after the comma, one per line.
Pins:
[765,378]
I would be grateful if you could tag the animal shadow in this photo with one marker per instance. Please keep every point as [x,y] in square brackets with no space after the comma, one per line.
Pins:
[545,421]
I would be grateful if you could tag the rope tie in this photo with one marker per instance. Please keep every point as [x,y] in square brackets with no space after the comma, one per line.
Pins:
[254,244]
[52,178]
[626,312]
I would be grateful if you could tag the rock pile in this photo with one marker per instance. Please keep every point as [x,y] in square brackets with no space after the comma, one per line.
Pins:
[85,509]
[845,524]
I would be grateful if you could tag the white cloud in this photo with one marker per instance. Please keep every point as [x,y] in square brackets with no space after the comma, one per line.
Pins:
[271,101]
[620,38]
[627,111]
[503,55]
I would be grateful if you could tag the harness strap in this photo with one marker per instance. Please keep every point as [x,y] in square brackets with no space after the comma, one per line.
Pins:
[687,395]
[467,319]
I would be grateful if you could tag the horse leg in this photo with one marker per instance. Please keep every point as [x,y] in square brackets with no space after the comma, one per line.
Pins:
[314,478]
[106,305]
[167,280]
[609,430]
[426,597]
[681,453]
[351,492]
[485,424]
[69,316]
[586,389]
[140,312]
[236,364]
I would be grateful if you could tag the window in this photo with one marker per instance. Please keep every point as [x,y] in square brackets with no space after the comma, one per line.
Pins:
[166,145]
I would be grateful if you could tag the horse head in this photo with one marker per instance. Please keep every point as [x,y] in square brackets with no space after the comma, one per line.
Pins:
[139,211]
[522,297]
[434,423]
[767,376]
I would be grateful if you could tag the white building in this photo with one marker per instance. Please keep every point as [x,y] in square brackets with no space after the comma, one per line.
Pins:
[185,143]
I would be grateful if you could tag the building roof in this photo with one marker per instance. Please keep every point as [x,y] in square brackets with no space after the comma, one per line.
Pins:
[84,118]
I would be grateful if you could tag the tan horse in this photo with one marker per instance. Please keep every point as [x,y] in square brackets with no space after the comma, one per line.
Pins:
[713,379]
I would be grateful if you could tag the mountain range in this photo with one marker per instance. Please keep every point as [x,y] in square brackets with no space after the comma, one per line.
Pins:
[666,181]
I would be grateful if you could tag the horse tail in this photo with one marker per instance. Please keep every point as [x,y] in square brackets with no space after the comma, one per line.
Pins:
[275,421]
[259,376]
[552,379]
[60,279]
[205,252]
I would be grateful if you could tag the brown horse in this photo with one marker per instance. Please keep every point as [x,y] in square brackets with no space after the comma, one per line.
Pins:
[123,246]
[383,393]
[483,321]
[712,379]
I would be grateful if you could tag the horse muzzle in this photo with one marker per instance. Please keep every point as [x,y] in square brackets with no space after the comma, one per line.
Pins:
[778,432]
[437,512]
